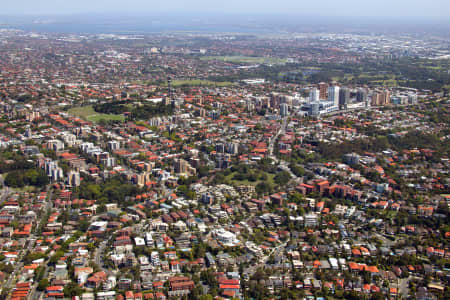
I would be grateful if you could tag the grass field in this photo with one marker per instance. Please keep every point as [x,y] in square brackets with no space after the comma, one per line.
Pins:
[88,113]
[380,80]
[190,83]
[389,82]
[247,59]
[199,82]
[246,182]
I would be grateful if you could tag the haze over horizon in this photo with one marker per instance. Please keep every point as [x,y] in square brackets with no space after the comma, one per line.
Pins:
[432,9]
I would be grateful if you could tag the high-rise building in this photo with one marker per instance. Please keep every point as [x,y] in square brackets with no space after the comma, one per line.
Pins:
[202,112]
[220,148]
[344,98]
[233,148]
[361,95]
[333,95]
[274,99]
[386,97]
[314,109]
[207,198]
[183,167]
[55,145]
[108,162]
[412,99]
[284,109]
[142,178]
[314,95]
[74,179]
[113,145]
[310,220]
[57,174]
[380,98]
[376,98]
[323,90]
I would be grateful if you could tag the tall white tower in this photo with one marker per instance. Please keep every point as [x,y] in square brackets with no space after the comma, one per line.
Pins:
[333,95]
[314,95]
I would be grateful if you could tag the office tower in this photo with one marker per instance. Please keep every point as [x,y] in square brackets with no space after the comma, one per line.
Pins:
[386,97]
[323,90]
[314,95]
[376,98]
[380,98]
[361,95]
[344,98]
[333,95]
[314,109]
[284,109]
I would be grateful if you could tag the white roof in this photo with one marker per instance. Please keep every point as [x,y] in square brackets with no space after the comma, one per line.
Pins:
[139,241]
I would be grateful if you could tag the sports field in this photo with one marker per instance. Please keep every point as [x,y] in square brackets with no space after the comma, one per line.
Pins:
[89,114]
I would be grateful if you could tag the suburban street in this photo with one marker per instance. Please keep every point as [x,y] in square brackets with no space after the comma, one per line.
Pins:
[9,284]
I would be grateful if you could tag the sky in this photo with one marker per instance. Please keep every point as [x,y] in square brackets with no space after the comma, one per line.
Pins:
[424,9]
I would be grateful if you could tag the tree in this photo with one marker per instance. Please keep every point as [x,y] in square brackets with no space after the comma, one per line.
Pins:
[43,284]
[39,273]
[263,188]
[30,256]
[72,289]
[54,259]
[282,178]
[5,293]
[377,296]
[6,268]
[297,170]
[183,189]
[20,178]
[83,225]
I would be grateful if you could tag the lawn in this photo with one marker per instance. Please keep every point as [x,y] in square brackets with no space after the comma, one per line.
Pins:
[247,182]
[199,82]
[88,113]
[247,59]
[389,82]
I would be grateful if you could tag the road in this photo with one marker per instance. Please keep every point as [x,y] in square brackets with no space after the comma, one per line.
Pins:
[5,190]
[32,238]
[283,164]
[99,255]
[47,206]
[274,138]
[403,286]
[263,260]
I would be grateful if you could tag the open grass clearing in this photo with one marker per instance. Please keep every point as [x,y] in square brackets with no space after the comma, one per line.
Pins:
[89,114]
[247,59]
[199,82]
[247,182]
